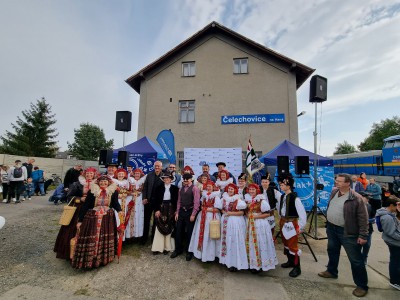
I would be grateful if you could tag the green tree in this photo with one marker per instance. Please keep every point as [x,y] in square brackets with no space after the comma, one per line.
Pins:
[380,131]
[344,148]
[34,134]
[89,140]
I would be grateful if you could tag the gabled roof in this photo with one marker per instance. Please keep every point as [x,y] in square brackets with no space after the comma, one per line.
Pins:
[302,71]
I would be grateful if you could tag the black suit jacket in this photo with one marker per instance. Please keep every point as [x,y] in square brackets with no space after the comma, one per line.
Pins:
[150,184]
[159,196]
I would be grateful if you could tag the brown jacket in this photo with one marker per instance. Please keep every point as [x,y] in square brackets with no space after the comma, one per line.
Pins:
[355,215]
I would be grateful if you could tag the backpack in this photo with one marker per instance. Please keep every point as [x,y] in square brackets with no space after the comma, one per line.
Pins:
[17,172]
[378,223]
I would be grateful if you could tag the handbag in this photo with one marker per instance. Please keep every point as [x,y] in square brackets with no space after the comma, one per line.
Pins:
[68,213]
[215,229]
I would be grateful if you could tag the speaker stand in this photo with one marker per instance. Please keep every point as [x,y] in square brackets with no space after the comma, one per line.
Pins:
[313,214]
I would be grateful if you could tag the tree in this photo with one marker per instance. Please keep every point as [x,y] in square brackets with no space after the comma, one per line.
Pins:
[380,131]
[89,140]
[34,134]
[344,148]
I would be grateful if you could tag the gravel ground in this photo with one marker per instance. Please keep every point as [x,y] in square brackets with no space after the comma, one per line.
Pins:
[27,259]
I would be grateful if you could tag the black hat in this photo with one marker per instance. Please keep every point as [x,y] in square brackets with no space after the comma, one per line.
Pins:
[266,176]
[167,174]
[220,163]
[112,165]
[187,176]
[242,176]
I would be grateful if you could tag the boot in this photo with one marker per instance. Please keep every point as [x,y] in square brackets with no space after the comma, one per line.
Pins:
[296,271]
[290,262]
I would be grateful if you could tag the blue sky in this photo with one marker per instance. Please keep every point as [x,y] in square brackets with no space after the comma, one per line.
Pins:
[77,54]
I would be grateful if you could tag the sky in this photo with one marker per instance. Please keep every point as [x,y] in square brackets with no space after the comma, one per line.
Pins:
[78,54]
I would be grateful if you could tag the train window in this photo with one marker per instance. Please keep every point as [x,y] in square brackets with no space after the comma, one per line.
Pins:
[396,143]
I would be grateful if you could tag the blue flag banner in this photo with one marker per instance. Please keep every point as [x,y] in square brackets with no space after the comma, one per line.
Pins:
[304,186]
[167,142]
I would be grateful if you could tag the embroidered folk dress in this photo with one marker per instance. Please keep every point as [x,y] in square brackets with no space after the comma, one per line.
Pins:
[97,239]
[259,241]
[135,225]
[124,198]
[221,184]
[233,234]
[201,245]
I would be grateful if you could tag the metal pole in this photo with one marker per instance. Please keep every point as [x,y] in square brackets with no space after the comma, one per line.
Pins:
[315,176]
[123,141]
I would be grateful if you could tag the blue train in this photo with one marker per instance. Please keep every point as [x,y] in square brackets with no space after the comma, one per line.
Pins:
[383,164]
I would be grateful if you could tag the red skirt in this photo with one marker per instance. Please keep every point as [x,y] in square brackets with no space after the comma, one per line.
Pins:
[90,253]
[66,233]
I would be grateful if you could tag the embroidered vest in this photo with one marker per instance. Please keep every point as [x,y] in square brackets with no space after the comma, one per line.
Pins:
[291,211]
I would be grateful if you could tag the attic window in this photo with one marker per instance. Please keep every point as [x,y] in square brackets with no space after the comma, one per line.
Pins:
[188,69]
[240,65]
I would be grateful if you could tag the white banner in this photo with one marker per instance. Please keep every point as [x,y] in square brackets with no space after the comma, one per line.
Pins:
[197,157]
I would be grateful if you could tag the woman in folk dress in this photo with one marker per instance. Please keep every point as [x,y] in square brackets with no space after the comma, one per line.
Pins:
[223,180]
[201,244]
[259,241]
[124,193]
[233,231]
[134,228]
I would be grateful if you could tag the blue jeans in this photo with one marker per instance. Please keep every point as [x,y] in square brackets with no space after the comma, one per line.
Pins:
[40,185]
[337,239]
[394,264]
[365,248]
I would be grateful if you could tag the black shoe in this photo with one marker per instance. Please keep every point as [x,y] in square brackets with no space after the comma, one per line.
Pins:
[189,256]
[233,269]
[254,271]
[295,272]
[156,252]
[165,252]
[17,201]
[287,264]
[175,254]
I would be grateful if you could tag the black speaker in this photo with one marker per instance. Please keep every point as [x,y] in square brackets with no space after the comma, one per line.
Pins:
[302,165]
[123,158]
[105,157]
[283,165]
[123,121]
[318,89]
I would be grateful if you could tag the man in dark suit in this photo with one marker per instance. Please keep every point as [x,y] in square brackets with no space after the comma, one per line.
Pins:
[153,180]
[222,166]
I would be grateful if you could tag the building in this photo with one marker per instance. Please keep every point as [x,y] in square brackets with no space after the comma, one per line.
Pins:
[217,88]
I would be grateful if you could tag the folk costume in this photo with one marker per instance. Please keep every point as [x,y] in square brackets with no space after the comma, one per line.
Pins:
[233,233]
[166,198]
[201,245]
[242,190]
[134,227]
[272,195]
[259,240]
[124,196]
[292,215]
[221,184]
[97,238]
[77,193]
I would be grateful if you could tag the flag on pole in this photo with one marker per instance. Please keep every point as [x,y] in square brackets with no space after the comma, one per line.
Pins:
[253,164]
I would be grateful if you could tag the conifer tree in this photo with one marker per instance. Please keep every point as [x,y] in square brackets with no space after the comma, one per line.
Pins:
[34,132]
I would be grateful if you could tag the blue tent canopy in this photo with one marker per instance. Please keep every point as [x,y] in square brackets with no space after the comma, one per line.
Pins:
[144,146]
[287,148]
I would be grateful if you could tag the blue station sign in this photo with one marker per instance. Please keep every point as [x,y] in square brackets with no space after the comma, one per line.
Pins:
[253,119]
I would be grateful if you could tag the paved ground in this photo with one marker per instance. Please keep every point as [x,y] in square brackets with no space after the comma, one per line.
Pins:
[29,269]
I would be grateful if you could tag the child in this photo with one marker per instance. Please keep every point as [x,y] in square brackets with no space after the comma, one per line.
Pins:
[29,190]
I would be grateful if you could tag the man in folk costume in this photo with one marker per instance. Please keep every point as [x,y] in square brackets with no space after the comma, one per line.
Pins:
[124,192]
[166,198]
[153,179]
[187,208]
[187,170]
[242,185]
[272,195]
[292,221]
[222,166]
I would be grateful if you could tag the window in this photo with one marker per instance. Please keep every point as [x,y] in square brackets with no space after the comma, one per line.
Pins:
[188,69]
[186,111]
[240,65]
[180,159]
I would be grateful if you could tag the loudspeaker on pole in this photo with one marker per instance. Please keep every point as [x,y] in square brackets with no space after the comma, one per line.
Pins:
[123,158]
[302,165]
[318,89]
[283,164]
[105,157]
[123,121]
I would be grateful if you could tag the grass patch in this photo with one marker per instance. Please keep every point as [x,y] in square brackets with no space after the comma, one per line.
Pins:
[84,292]
[132,250]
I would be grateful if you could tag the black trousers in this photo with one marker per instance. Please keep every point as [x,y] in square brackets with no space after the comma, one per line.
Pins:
[183,227]
[375,205]
[148,212]
[16,189]
[5,190]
